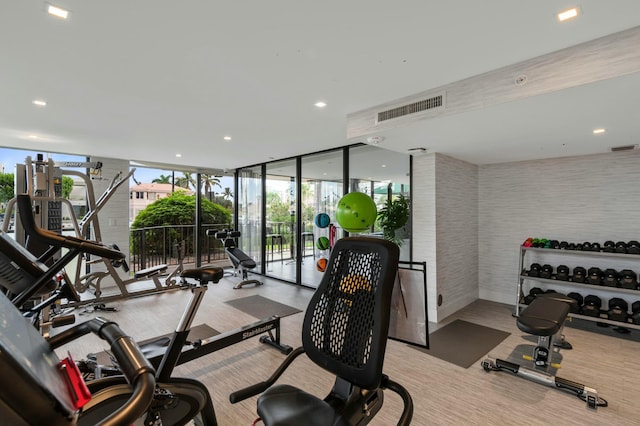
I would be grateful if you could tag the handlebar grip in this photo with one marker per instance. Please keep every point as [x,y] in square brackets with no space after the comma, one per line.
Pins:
[130,359]
[248,392]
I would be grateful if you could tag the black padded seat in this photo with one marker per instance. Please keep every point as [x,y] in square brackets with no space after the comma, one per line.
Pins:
[204,274]
[287,405]
[543,317]
[242,258]
[573,303]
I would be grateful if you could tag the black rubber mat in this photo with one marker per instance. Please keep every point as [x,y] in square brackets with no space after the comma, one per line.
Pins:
[261,307]
[463,343]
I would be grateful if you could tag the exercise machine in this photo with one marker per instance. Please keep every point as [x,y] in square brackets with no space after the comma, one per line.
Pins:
[544,318]
[345,332]
[241,262]
[39,388]
[164,353]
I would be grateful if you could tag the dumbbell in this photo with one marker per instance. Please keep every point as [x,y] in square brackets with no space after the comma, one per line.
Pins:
[621,247]
[586,246]
[546,271]
[628,279]
[578,298]
[554,244]
[595,246]
[528,242]
[571,246]
[532,294]
[579,274]
[579,246]
[610,278]
[562,273]
[633,247]
[591,306]
[635,315]
[534,270]
[594,276]
[609,246]
[564,245]
[618,309]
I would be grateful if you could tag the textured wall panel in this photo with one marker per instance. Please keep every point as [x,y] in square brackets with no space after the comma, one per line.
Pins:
[456,233]
[424,223]
[589,198]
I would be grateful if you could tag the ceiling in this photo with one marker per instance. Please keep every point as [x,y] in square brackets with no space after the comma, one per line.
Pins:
[146,80]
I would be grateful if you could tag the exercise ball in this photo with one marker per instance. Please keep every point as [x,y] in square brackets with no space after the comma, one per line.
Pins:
[321,264]
[322,243]
[356,212]
[322,220]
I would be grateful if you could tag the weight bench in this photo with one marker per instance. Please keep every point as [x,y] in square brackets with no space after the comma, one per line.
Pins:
[241,262]
[544,317]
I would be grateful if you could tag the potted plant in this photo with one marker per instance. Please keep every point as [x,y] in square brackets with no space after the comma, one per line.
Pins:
[392,217]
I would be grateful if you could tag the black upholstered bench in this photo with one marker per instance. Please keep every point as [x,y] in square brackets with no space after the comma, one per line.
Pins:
[545,315]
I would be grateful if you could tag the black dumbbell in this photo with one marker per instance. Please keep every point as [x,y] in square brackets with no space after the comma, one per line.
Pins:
[579,274]
[628,279]
[532,294]
[591,306]
[610,278]
[609,246]
[635,315]
[594,276]
[586,246]
[633,247]
[621,247]
[595,246]
[562,273]
[578,298]
[546,271]
[534,270]
[564,245]
[571,246]
[554,244]
[618,309]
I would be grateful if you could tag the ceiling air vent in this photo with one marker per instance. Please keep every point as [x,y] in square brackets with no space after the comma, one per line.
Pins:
[412,108]
[623,148]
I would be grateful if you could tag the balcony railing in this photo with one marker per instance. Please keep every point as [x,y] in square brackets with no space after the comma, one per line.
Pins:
[169,244]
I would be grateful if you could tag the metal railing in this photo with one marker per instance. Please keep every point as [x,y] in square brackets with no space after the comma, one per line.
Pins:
[159,245]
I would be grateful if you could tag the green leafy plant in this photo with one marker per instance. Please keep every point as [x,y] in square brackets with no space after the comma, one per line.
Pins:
[393,217]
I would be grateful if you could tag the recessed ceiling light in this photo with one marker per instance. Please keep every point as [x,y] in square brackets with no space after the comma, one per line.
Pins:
[565,15]
[40,102]
[57,11]
[320,104]
[178,155]
[33,136]
[227,138]
[598,131]
[383,165]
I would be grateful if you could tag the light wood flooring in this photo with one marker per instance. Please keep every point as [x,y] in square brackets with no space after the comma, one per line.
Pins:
[443,393]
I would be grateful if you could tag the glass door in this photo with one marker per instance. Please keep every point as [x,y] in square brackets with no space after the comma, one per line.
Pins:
[280,243]
[250,212]
[322,187]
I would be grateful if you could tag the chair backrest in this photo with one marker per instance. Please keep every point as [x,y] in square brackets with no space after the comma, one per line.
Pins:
[347,321]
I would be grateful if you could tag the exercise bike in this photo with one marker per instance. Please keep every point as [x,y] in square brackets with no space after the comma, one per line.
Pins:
[142,391]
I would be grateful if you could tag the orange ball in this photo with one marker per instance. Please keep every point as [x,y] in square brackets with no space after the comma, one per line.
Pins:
[321,264]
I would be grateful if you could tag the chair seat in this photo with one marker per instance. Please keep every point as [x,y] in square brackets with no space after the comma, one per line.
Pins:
[285,405]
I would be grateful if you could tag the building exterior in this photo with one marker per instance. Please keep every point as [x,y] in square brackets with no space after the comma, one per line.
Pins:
[140,196]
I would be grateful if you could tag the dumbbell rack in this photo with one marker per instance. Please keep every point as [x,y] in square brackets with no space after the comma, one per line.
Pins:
[600,257]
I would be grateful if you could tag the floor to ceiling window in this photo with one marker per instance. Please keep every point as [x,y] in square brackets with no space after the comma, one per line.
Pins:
[249,208]
[281,239]
[288,243]
[322,187]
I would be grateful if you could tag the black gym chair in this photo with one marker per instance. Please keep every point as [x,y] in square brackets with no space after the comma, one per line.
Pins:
[345,332]
[241,262]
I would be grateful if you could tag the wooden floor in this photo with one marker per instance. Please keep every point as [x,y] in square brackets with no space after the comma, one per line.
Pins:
[443,393]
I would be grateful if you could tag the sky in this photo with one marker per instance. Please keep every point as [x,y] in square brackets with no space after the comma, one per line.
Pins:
[9,157]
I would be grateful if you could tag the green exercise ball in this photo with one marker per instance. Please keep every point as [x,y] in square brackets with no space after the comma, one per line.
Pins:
[322,243]
[356,212]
